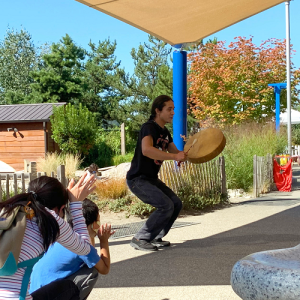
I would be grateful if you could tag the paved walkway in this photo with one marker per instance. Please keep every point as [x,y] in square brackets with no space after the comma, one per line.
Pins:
[199,263]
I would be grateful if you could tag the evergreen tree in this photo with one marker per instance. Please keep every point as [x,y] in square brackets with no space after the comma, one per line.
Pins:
[101,77]
[152,77]
[18,57]
[60,79]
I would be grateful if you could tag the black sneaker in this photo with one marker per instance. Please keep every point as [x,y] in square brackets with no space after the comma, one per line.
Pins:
[160,243]
[142,245]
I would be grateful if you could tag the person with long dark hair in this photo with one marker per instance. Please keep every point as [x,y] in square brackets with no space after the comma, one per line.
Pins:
[154,145]
[45,202]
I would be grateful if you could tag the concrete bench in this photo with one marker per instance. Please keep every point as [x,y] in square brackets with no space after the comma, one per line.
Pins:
[273,274]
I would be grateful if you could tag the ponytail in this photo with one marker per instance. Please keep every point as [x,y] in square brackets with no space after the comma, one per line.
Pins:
[43,192]
[47,224]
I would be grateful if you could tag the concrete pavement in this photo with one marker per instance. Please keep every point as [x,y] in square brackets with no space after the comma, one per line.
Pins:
[199,262]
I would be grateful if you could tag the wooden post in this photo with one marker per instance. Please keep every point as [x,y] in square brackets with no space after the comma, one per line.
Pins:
[271,169]
[123,150]
[259,181]
[7,186]
[23,182]
[255,176]
[26,165]
[15,184]
[61,175]
[32,170]
[223,175]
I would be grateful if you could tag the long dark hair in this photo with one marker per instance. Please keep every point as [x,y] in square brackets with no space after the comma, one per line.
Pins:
[159,102]
[42,192]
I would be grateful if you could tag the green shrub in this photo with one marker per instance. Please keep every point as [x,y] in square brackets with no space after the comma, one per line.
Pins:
[139,208]
[191,199]
[296,134]
[107,149]
[242,143]
[128,203]
[74,129]
[119,204]
[119,159]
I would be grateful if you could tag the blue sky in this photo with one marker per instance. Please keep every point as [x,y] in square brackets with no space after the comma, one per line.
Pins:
[49,20]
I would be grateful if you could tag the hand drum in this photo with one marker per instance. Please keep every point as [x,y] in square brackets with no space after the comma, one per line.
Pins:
[205,145]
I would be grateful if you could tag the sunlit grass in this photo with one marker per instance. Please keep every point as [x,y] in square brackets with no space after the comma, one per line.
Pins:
[113,188]
[242,143]
[52,160]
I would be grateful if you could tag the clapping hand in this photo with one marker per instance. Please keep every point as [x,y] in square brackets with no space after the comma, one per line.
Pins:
[105,232]
[80,190]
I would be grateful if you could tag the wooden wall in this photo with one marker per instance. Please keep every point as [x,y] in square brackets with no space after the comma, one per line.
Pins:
[51,145]
[28,143]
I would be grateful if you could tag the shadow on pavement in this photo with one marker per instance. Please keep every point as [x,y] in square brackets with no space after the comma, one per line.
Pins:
[206,261]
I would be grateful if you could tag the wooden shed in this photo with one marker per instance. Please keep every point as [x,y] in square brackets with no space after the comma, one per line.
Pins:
[25,133]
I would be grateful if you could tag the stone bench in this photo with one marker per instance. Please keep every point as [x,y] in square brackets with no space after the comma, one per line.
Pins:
[273,274]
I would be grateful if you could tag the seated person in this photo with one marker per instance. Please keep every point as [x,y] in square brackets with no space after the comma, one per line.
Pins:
[60,264]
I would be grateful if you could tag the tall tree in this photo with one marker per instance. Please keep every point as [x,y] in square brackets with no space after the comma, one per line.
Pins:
[18,57]
[60,79]
[101,79]
[152,77]
[230,84]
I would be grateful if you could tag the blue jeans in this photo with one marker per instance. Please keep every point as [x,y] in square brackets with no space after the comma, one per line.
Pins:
[167,204]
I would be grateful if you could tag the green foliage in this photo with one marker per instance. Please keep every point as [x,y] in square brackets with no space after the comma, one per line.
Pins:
[152,77]
[120,204]
[60,78]
[11,193]
[139,208]
[101,79]
[18,57]
[132,205]
[74,129]
[242,143]
[296,134]
[107,148]
[119,159]
[192,199]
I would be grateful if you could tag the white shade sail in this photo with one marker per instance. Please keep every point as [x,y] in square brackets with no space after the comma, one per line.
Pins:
[177,21]
[295,117]
[5,168]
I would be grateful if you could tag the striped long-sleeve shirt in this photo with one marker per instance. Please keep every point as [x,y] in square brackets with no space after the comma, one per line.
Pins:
[76,239]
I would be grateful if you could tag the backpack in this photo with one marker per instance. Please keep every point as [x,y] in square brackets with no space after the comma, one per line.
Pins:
[12,230]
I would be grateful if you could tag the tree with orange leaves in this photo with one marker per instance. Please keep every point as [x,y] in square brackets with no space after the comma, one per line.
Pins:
[228,85]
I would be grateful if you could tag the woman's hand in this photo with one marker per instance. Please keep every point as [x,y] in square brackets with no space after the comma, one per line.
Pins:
[81,189]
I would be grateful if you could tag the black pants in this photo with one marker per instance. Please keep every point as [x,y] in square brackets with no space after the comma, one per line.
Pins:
[77,286]
[57,290]
[168,206]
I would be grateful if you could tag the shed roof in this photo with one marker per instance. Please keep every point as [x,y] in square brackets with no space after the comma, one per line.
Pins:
[20,113]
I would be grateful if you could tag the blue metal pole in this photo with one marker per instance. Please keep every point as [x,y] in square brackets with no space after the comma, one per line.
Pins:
[179,97]
[277,107]
[277,88]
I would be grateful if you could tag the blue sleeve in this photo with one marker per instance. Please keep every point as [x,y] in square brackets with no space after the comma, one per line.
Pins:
[92,258]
